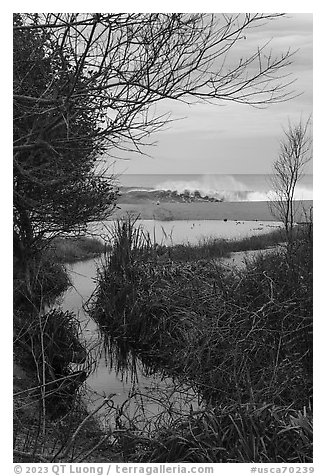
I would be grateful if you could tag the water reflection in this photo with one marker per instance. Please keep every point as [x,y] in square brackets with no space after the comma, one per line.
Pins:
[137,395]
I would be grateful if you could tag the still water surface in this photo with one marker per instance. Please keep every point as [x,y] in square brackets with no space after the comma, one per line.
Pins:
[104,380]
[192,231]
[137,393]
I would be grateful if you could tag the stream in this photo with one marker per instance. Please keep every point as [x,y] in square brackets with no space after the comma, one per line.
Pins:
[140,396]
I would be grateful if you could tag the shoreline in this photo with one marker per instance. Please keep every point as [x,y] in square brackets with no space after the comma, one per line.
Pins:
[167,211]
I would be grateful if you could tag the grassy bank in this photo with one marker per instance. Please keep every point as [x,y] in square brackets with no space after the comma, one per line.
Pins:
[68,250]
[219,247]
[242,339]
[50,420]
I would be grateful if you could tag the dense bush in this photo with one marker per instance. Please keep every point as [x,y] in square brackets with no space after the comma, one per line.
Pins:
[38,284]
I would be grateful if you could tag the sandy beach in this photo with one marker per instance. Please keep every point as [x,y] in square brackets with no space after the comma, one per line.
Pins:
[149,210]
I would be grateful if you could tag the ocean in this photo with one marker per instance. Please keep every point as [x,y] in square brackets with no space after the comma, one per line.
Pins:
[219,187]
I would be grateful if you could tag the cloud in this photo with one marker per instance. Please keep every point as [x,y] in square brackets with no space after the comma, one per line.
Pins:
[235,138]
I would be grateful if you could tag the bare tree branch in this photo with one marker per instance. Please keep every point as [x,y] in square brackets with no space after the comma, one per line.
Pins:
[295,153]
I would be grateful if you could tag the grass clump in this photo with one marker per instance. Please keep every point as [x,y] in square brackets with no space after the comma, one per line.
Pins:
[71,249]
[242,339]
[234,434]
[211,248]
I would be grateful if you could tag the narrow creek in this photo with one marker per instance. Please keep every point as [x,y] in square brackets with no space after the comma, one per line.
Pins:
[141,397]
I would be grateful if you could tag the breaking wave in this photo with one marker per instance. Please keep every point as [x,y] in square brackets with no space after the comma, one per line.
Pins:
[226,189]
[210,188]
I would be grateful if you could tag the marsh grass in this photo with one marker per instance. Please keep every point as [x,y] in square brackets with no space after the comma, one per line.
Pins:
[263,433]
[71,249]
[241,339]
[211,248]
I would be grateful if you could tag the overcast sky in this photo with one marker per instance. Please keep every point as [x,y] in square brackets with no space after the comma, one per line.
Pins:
[234,138]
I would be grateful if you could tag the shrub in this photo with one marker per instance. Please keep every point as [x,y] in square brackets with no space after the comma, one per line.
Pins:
[39,284]
[45,345]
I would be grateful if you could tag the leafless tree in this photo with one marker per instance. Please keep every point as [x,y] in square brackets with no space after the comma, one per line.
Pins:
[295,153]
[87,84]
[128,62]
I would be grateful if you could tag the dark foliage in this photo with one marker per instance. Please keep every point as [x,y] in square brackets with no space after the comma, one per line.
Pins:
[56,188]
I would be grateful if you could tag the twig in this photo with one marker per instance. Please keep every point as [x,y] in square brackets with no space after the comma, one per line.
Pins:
[31,455]
[94,447]
[89,416]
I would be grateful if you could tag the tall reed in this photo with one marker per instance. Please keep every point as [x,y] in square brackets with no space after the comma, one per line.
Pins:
[243,339]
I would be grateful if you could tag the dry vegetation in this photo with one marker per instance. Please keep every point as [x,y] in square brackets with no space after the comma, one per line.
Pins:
[242,339]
